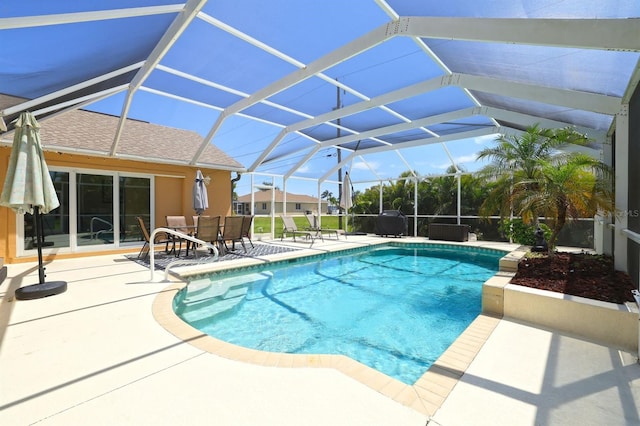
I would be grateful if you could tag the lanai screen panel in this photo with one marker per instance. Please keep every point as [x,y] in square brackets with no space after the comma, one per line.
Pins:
[323,72]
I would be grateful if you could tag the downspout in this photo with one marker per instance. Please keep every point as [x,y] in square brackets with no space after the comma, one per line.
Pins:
[234,180]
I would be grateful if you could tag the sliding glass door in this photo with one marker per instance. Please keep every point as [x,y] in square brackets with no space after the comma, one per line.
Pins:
[96,209]
[94,216]
[55,224]
[135,200]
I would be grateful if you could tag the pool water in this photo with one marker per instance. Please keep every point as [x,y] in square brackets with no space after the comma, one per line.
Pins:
[394,309]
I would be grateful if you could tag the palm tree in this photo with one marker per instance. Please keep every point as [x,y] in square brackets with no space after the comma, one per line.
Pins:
[533,178]
[516,159]
[567,187]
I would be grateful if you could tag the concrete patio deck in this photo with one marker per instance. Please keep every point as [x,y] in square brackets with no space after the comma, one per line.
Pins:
[96,355]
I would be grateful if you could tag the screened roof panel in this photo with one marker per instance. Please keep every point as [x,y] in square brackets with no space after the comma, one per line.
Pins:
[305,30]
[400,57]
[406,136]
[568,115]
[440,101]
[313,96]
[19,8]
[79,53]
[255,77]
[453,127]
[518,9]
[575,69]
[178,86]
[362,144]
[224,59]
[370,119]
[274,114]
[294,151]
[323,132]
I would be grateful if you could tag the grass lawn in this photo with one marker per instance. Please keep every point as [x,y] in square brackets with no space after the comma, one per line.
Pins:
[328,221]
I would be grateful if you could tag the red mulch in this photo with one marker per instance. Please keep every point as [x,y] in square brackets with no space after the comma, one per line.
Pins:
[577,274]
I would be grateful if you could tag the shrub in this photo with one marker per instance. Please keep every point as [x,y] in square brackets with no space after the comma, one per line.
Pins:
[521,233]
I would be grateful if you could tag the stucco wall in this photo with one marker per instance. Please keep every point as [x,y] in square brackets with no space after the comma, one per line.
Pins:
[173,186]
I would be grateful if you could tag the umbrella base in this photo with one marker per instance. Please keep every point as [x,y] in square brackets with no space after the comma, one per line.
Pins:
[37,291]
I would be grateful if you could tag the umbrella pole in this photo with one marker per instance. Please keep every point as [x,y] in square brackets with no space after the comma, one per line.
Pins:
[43,288]
[37,217]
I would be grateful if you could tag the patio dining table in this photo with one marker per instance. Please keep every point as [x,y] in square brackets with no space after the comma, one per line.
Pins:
[191,232]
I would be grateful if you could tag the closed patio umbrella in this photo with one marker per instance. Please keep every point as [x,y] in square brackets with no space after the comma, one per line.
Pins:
[346,201]
[345,198]
[200,197]
[28,188]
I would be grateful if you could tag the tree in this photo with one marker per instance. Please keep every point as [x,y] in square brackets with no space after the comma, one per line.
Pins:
[328,195]
[270,184]
[567,187]
[516,159]
[533,178]
[436,195]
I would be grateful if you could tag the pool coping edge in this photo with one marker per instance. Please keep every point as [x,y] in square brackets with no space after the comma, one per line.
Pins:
[426,395]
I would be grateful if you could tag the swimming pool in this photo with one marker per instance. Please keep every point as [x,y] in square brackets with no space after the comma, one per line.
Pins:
[394,308]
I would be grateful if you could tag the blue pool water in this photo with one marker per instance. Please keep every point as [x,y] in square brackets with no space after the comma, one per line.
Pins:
[394,309]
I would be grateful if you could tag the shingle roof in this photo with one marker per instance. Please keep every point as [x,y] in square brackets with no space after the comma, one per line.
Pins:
[265,196]
[92,133]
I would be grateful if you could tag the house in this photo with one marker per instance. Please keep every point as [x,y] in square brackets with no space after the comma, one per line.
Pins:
[102,194]
[296,203]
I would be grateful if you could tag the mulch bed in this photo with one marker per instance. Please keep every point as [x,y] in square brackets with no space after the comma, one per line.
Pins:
[577,274]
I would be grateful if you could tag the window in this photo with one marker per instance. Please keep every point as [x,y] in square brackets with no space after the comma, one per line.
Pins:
[298,206]
[264,206]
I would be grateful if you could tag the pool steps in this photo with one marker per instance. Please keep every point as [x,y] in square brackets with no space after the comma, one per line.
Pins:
[211,298]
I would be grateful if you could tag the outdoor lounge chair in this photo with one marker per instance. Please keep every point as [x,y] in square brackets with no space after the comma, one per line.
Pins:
[233,232]
[291,228]
[159,239]
[246,229]
[313,226]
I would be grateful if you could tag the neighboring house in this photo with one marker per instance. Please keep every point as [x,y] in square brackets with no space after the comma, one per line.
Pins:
[101,195]
[296,203]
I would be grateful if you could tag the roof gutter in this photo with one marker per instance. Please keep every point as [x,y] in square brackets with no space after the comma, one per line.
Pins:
[105,154]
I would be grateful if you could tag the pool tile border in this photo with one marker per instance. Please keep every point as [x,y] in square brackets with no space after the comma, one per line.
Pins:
[426,395]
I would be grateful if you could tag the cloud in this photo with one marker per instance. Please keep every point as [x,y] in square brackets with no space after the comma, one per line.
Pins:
[461,159]
[466,158]
[362,166]
[484,140]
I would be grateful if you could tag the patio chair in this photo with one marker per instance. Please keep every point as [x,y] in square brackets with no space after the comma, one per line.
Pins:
[208,230]
[159,239]
[179,223]
[313,226]
[232,231]
[291,228]
[246,229]
[195,221]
